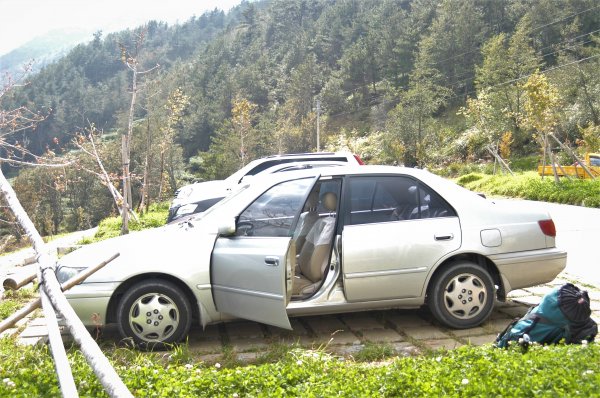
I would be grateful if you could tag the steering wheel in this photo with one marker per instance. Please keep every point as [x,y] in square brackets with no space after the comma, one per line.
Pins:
[245,228]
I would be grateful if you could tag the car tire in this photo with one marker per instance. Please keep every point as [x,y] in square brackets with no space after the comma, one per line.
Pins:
[154,314]
[461,296]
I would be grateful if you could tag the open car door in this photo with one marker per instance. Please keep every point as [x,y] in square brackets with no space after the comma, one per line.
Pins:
[252,271]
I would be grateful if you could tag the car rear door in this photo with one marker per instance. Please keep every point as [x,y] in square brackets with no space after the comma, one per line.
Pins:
[395,230]
[252,271]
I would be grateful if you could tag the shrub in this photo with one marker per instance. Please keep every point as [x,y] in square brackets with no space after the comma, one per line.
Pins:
[111,227]
[530,186]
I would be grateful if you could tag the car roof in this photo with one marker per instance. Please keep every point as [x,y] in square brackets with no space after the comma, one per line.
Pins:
[448,189]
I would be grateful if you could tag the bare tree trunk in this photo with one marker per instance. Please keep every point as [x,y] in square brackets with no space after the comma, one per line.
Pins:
[145,200]
[545,145]
[126,155]
[160,176]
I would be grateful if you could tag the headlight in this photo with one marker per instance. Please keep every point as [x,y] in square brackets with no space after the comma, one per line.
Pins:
[186,209]
[63,274]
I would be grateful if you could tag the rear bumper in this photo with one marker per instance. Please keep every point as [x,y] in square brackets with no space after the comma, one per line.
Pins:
[529,268]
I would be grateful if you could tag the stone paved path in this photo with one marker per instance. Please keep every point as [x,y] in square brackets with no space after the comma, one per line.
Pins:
[408,332]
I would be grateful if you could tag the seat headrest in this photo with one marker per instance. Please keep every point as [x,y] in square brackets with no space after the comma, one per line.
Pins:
[330,201]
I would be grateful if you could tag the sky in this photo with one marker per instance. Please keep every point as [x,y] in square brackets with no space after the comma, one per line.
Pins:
[24,20]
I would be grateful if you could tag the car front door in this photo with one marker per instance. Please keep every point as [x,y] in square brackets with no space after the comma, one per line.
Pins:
[252,271]
[395,230]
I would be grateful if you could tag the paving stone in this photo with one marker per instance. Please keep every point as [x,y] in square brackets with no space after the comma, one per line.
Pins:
[497,314]
[497,325]
[210,358]
[558,282]
[481,340]
[9,332]
[32,340]
[469,332]
[529,300]
[325,324]
[244,329]
[297,330]
[347,350]
[540,290]
[38,322]
[406,349]
[594,294]
[34,331]
[382,336]
[339,338]
[425,333]
[402,321]
[514,312]
[206,345]
[518,293]
[362,322]
[446,344]
[247,357]
[247,344]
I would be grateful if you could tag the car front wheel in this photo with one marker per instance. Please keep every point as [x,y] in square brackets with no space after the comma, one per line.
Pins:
[153,313]
[461,296]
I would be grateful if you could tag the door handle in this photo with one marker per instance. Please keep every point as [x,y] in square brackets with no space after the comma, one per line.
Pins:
[272,261]
[444,237]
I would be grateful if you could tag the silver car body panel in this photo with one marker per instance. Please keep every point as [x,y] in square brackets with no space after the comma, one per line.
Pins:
[355,280]
[392,259]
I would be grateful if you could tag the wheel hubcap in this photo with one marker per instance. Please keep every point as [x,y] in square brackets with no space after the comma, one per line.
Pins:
[154,317]
[465,296]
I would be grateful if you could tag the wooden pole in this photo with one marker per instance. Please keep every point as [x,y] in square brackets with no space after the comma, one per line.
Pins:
[570,152]
[35,304]
[106,374]
[61,362]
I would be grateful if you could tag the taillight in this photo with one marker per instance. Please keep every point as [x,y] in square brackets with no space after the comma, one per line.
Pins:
[548,227]
[359,160]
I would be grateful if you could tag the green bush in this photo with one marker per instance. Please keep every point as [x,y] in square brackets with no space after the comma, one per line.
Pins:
[13,300]
[552,371]
[111,227]
[531,186]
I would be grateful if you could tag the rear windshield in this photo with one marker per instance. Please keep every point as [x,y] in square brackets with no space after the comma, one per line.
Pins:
[270,163]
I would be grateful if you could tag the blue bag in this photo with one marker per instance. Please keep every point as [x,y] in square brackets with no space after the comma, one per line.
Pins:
[564,313]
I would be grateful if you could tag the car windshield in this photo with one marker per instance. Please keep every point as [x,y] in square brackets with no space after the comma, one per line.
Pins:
[234,194]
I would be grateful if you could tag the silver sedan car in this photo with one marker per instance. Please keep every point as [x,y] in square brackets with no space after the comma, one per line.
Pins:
[318,241]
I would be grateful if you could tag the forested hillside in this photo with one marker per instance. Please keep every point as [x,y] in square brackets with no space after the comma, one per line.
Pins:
[393,79]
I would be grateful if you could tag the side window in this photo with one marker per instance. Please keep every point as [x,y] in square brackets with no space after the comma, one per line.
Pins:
[392,198]
[275,211]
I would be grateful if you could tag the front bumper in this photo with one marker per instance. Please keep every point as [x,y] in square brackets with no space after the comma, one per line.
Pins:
[529,268]
[90,301]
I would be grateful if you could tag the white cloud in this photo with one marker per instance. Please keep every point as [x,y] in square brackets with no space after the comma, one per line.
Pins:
[23,20]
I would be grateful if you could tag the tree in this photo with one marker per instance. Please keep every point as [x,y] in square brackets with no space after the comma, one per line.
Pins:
[132,63]
[242,115]
[541,112]
[411,120]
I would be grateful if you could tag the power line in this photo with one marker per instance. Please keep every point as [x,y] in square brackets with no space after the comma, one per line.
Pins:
[528,32]
[375,103]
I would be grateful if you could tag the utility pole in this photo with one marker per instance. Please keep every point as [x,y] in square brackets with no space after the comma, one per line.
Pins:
[318,132]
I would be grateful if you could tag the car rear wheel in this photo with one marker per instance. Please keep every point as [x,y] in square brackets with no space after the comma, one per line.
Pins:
[461,296]
[154,313]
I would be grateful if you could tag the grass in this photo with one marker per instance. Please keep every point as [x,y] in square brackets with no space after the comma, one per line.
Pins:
[468,371]
[111,227]
[529,185]
[15,299]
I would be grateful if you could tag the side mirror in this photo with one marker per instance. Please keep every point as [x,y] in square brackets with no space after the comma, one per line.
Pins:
[227,227]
